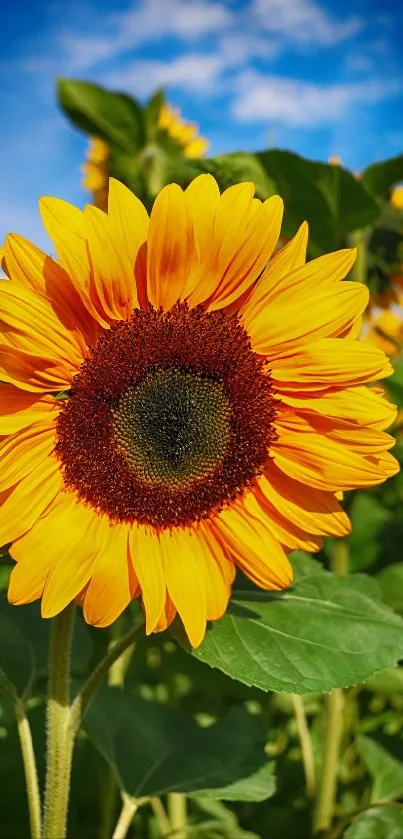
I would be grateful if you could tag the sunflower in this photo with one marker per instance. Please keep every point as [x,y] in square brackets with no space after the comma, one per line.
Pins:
[396,198]
[184,133]
[385,330]
[95,171]
[177,403]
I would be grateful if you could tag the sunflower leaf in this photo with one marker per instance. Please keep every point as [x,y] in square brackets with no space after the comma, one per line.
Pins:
[377,823]
[379,177]
[172,753]
[322,633]
[386,771]
[328,197]
[114,117]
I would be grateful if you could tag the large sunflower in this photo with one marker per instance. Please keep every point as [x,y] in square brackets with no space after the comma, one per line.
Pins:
[178,403]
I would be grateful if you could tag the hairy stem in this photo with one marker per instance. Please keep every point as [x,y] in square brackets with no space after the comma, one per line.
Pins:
[306,744]
[60,737]
[30,770]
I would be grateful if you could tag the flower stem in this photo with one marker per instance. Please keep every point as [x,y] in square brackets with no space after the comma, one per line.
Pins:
[358,239]
[60,736]
[177,814]
[161,817]
[306,744]
[31,775]
[334,724]
[127,814]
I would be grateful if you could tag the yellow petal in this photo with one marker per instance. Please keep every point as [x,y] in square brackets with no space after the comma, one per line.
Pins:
[359,405]
[187,582]
[28,500]
[25,450]
[112,270]
[329,362]
[170,248]
[113,583]
[18,409]
[145,550]
[305,313]
[249,540]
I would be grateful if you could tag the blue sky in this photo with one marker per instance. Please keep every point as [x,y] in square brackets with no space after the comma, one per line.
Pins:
[318,77]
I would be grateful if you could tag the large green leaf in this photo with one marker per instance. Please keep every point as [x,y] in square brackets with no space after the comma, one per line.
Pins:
[368,517]
[115,117]
[324,632]
[258,787]
[328,197]
[154,749]
[379,177]
[377,823]
[390,580]
[385,770]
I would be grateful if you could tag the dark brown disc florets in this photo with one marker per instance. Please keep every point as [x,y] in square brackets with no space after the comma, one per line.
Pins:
[169,420]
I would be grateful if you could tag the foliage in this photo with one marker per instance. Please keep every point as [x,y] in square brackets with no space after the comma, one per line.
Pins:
[215,734]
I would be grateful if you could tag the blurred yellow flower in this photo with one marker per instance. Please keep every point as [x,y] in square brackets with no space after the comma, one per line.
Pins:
[185,133]
[95,171]
[386,332]
[397,197]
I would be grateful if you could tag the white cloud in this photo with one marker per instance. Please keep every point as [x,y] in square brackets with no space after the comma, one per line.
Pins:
[193,71]
[293,102]
[144,22]
[303,21]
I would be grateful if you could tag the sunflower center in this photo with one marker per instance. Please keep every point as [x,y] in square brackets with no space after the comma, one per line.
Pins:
[169,420]
[174,426]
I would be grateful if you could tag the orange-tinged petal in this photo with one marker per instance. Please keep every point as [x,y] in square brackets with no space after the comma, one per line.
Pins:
[32,372]
[145,550]
[314,510]
[329,362]
[259,240]
[112,270]
[23,451]
[29,265]
[249,540]
[170,248]
[358,405]
[18,409]
[29,324]
[129,218]
[28,499]
[315,459]
[113,583]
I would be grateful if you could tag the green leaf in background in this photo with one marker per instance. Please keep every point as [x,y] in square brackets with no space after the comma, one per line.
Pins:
[218,823]
[380,177]
[16,655]
[368,519]
[323,633]
[172,752]
[377,823]
[328,197]
[390,580]
[258,787]
[152,113]
[240,166]
[385,770]
[388,682]
[114,117]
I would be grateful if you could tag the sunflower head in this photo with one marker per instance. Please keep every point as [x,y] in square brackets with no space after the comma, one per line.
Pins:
[95,171]
[184,133]
[214,404]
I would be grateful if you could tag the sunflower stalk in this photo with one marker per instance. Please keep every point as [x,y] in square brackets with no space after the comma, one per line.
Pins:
[60,733]
[334,725]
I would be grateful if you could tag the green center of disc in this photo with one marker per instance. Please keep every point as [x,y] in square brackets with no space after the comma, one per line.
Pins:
[174,426]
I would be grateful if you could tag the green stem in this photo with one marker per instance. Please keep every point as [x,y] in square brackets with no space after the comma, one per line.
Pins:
[60,736]
[334,724]
[31,775]
[323,815]
[359,270]
[127,814]
[306,744]
[160,814]
[177,814]
[84,696]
